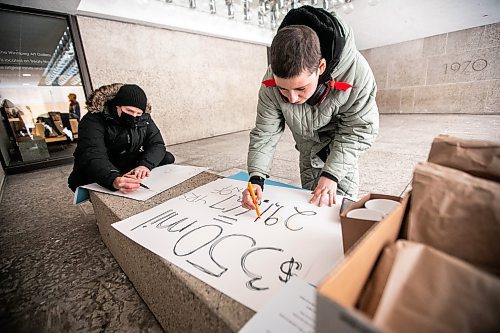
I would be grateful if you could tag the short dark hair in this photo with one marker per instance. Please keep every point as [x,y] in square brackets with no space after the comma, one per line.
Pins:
[295,48]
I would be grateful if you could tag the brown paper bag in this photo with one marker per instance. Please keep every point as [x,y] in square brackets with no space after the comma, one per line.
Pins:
[479,158]
[374,287]
[429,291]
[456,213]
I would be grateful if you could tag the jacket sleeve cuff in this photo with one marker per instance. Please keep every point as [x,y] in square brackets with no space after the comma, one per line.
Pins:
[146,164]
[111,178]
[257,181]
[329,176]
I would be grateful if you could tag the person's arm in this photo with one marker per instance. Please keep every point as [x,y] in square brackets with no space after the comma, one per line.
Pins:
[325,192]
[357,129]
[91,153]
[264,137]
[154,147]
[77,110]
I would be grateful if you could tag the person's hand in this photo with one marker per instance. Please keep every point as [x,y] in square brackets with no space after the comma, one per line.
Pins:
[247,201]
[140,172]
[126,184]
[324,193]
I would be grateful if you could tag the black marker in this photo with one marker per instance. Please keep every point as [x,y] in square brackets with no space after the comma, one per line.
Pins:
[142,185]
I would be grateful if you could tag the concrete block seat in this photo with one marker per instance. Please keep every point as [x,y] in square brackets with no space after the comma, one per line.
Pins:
[179,301]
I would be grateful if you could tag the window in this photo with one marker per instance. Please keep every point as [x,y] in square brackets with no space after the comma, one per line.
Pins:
[39,80]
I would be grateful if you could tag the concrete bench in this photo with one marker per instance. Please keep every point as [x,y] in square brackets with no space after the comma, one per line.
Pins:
[179,301]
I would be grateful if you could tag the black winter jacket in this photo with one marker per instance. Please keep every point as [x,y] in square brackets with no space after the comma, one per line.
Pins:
[106,149]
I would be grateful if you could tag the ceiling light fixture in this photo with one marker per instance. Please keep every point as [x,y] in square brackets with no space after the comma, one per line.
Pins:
[269,12]
[62,66]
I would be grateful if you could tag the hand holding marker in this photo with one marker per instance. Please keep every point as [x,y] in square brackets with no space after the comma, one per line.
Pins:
[131,175]
[254,199]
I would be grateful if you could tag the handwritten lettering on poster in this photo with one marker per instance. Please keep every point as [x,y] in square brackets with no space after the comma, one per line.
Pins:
[207,233]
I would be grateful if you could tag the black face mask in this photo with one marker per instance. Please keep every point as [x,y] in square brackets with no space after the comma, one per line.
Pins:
[127,120]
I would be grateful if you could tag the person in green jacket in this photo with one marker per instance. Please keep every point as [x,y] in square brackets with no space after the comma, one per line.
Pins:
[322,88]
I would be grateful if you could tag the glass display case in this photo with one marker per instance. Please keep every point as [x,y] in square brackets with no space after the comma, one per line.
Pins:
[39,72]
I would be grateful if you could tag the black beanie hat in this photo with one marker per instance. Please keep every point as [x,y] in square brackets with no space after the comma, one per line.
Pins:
[131,95]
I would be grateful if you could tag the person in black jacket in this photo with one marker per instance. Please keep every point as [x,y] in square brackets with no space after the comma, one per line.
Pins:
[118,144]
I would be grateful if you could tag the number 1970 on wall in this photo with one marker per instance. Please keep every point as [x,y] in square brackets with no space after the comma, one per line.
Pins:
[466,66]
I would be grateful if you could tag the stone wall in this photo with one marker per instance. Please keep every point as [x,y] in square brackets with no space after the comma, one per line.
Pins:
[199,86]
[457,72]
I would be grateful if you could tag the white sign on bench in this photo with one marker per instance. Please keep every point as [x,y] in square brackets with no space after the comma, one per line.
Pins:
[207,233]
[161,179]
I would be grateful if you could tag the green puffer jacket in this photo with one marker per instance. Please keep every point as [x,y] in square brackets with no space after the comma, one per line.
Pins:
[346,121]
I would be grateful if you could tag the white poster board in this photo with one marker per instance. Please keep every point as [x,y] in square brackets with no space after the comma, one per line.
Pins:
[291,310]
[161,179]
[207,233]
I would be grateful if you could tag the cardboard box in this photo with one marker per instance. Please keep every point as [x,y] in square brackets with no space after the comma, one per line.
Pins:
[338,293]
[426,290]
[353,229]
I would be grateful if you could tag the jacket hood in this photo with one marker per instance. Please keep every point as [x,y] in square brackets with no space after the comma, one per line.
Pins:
[335,37]
[99,97]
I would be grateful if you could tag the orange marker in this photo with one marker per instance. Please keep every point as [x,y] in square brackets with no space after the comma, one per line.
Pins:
[254,199]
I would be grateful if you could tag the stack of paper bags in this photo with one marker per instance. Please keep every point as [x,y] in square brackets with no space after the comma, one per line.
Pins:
[406,296]
[455,204]
[443,281]
[439,268]
[478,158]
[456,213]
